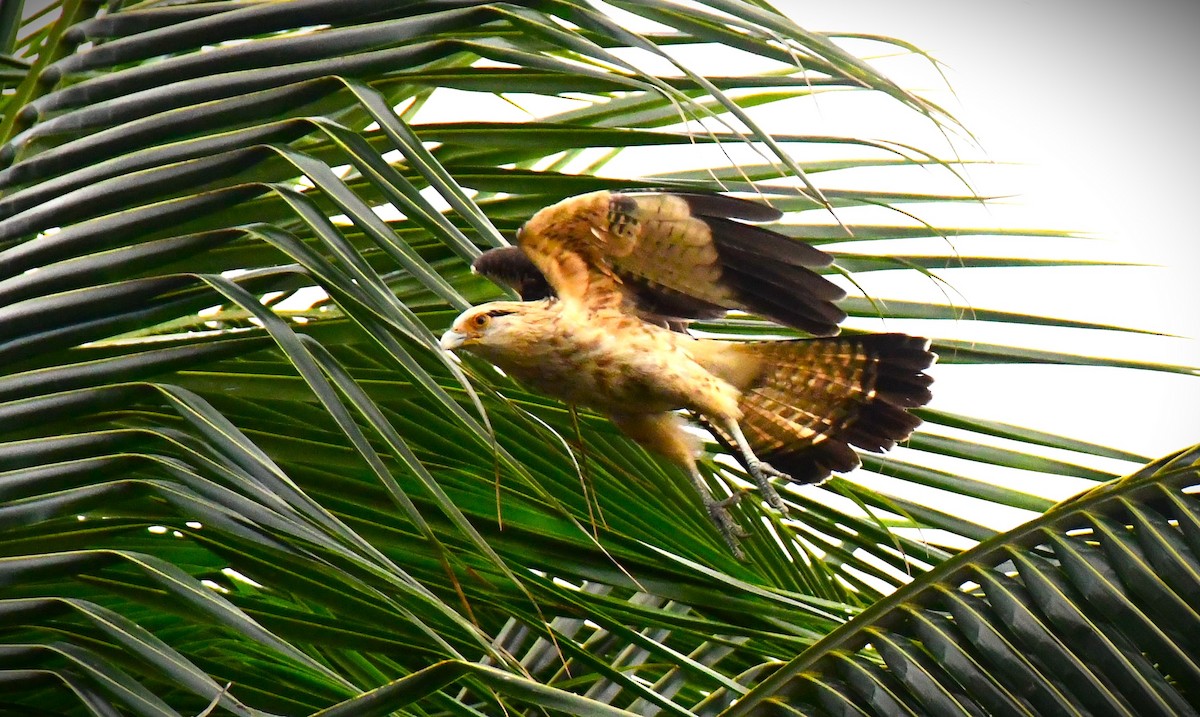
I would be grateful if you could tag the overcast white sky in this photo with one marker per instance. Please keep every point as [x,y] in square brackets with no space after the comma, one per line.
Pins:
[1099,101]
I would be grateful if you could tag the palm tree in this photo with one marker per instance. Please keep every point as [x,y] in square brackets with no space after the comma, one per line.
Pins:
[238,476]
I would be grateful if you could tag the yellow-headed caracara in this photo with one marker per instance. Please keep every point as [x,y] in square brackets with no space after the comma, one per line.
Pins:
[614,272]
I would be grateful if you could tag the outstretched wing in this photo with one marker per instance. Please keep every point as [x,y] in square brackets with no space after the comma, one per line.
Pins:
[681,255]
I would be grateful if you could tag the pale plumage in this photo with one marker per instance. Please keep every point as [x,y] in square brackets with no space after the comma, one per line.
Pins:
[610,259]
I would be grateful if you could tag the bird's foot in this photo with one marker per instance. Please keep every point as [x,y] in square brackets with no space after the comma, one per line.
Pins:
[733,499]
[760,470]
[718,511]
[763,472]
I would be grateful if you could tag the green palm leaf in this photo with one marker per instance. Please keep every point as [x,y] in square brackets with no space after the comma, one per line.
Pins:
[231,452]
[1093,608]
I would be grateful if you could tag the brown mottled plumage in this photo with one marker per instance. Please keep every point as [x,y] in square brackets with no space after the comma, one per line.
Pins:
[608,258]
[676,256]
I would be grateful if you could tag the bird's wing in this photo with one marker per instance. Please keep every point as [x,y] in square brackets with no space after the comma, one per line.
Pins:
[683,255]
[510,266]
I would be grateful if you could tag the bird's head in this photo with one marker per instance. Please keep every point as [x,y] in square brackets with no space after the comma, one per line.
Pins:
[497,326]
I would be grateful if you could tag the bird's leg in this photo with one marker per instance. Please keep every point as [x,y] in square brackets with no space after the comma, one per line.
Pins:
[760,470]
[718,512]
[663,434]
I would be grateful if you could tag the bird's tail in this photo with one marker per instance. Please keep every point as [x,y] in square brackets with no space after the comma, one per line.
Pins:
[813,399]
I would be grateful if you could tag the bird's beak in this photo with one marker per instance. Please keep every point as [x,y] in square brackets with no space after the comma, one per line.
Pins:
[452,339]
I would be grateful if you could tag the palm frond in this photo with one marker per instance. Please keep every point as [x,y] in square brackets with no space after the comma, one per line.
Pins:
[1093,607]
[231,451]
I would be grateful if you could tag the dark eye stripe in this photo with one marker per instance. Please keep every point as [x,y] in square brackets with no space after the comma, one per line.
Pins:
[499,312]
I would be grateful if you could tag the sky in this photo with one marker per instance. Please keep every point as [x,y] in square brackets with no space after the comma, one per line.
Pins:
[1098,103]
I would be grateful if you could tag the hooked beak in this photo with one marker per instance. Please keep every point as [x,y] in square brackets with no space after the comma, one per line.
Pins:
[452,339]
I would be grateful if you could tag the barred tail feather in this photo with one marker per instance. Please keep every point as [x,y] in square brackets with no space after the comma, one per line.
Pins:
[814,399]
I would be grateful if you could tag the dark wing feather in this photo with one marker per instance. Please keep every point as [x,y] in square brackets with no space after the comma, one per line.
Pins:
[658,303]
[509,266]
[792,295]
[766,245]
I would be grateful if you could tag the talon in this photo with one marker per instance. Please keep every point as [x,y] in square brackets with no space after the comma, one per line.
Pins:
[772,471]
[762,471]
[733,499]
[730,530]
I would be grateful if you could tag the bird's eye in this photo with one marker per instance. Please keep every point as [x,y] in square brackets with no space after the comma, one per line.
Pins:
[480,321]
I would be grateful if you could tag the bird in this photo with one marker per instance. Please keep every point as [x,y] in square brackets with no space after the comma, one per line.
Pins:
[609,281]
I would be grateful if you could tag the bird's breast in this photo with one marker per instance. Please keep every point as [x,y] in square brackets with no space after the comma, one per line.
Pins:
[615,364]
